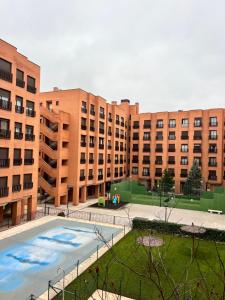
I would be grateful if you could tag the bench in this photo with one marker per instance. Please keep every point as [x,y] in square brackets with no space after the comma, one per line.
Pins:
[214,211]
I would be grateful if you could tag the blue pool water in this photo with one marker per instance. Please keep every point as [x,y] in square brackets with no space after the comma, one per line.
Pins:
[30,259]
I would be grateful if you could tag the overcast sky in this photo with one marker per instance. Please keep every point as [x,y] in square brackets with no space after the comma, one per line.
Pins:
[164,54]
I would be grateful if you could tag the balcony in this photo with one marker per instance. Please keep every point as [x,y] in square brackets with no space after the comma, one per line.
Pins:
[145,162]
[108,174]
[136,126]
[145,149]
[83,109]
[83,127]
[109,133]
[91,145]
[213,124]
[116,174]
[183,175]
[147,126]
[90,177]
[117,135]
[171,162]
[184,137]
[5,104]
[102,116]
[158,174]
[19,109]
[109,147]
[212,164]
[20,83]
[146,138]
[92,128]
[18,135]
[197,150]
[197,124]
[121,174]
[122,124]
[4,191]
[83,144]
[82,160]
[117,122]
[108,161]
[144,174]
[101,146]
[100,161]
[159,137]
[28,185]
[92,112]
[212,177]
[135,161]
[30,113]
[197,137]
[7,76]
[135,138]
[16,188]
[101,130]
[28,161]
[212,137]
[212,150]
[109,119]
[82,178]
[31,89]
[134,149]
[5,134]
[171,173]
[159,125]
[116,161]
[117,148]
[100,177]
[91,160]
[158,149]
[29,137]
[122,136]
[158,162]
[17,161]
[171,149]
[121,161]
[121,148]
[4,163]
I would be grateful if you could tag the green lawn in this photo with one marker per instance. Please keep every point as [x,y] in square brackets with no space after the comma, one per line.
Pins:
[128,270]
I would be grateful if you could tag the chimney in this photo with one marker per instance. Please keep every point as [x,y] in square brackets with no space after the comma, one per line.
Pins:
[55,89]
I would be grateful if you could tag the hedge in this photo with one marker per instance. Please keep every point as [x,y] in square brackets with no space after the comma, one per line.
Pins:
[173,228]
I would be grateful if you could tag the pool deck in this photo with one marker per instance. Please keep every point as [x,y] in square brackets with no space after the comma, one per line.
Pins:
[84,265]
[175,215]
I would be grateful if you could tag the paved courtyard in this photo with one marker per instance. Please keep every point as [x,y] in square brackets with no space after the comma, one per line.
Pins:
[175,215]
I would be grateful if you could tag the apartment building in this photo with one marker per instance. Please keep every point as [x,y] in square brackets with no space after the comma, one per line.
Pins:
[19,134]
[173,140]
[84,144]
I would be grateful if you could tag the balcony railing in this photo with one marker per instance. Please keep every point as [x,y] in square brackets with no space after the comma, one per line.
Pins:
[108,161]
[147,126]
[17,161]
[158,149]
[5,104]
[84,110]
[92,112]
[92,128]
[145,174]
[108,174]
[135,149]
[109,147]
[101,146]
[31,89]
[7,76]
[171,162]
[158,162]
[90,177]
[212,177]
[82,160]
[212,137]
[145,162]
[83,127]
[117,148]
[117,122]
[197,137]
[171,149]
[29,137]
[101,130]
[211,150]
[28,185]
[122,124]
[100,161]
[18,135]
[91,145]
[212,164]
[184,137]
[91,160]
[4,163]
[183,175]
[109,133]
[159,137]
[83,144]
[109,119]
[30,113]
[16,188]
[4,191]
[116,174]
[146,149]
[213,124]
[28,161]
[158,174]
[136,126]
[197,150]
[100,177]
[82,178]
[19,109]
[102,116]
[20,83]
[135,161]
[5,134]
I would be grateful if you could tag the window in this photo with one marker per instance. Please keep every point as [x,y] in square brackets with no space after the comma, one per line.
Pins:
[135,170]
[29,133]
[172,123]
[102,112]
[4,129]
[20,78]
[30,108]
[159,124]
[197,135]
[146,172]
[158,160]
[83,123]
[17,157]
[184,122]
[117,120]
[184,160]
[197,122]
[147,124]
[171,148]
[172,135]
[4,157]
[18,131]
[197,148]
[92,109]
[19,105]
[5,100]
[28,157]
[171,160]
[212,162]
[212,134]
[135,124]
[83,107]
[4,190]
[213,121]
[197,160]
[31,85]
[5,70]
[159,135]
[16,186]
[212,148]
[27,181]
[212,175]
[184,148]
[101,127]
[146,136]
[135,136]
[110,117]
[184,135]
[92,125]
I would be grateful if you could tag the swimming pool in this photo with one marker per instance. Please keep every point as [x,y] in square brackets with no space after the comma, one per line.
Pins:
[30,259]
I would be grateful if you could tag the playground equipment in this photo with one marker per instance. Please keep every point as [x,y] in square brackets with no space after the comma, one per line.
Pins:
[116,199]
[101,201]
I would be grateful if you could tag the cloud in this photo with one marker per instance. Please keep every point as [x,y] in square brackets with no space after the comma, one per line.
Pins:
[168,55]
